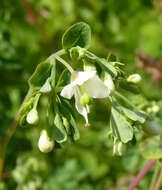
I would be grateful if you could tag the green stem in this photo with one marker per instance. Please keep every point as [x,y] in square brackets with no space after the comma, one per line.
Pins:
[159,181]
[60,52]
[5,139]
[155,175]
[64,63]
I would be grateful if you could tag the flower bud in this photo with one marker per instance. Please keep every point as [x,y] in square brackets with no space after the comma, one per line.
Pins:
[45,144]
[135,78]
[155,109]
[121,148]
[109,83]
[77,53]
[85,99]
[46,87]
[115,150]
[32,117]
[151,128]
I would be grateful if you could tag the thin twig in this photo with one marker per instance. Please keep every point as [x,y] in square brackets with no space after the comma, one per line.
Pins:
[33,18]
[5,139]
[159,181]
[142,173]
[154,177]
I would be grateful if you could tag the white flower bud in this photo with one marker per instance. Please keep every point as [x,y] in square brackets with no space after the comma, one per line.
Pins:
[155,109]
[32,117]
[135,78]
[46,87]
[120,148]
[45,144]
[115,151]
[109,83]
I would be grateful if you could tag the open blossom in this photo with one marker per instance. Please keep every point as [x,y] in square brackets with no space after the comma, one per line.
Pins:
[85,82]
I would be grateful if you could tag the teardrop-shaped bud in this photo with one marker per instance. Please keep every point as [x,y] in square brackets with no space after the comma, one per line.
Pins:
[45,144]
[109,83]
[155,109]
[134,78]
[46,87]
[32,117]
[121,148]
[151,128]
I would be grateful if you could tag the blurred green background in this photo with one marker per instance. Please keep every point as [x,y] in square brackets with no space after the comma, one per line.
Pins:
[29,32]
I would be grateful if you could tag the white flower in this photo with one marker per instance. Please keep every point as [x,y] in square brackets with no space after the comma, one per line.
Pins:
[85,82]
[32,117]
[45,144]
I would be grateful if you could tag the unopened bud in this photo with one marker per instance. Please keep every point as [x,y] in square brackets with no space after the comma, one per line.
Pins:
[121,148]
[46,87]
[155,109]
[85,99]
[45,144]
[151,128]
[77,53]
[135,78]
[32,117]
[115,149]
[109,83]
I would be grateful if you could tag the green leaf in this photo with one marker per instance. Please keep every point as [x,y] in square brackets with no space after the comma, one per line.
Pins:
[78,34]
[59,130]
[107,66]
[139,117]
[40,75]
[74,130]
[119,125]
[66,112]
[111,58]
[151,148]
[129,87]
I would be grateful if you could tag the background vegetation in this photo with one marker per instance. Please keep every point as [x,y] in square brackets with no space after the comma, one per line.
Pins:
[29,32]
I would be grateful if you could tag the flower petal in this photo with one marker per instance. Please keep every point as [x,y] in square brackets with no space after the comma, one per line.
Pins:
[81,109]
[68,91]
[83,77]
[96,88]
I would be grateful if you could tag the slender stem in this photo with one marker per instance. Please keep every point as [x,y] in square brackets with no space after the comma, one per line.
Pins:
[5,139]
[159,181]
[154,178]
[2,157]
[140,176]
[60,52]
[64,63]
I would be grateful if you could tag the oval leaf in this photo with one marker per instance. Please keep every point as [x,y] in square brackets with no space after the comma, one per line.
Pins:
[137,116]
[120,126]
[59,131]
[77,35]
[40,75]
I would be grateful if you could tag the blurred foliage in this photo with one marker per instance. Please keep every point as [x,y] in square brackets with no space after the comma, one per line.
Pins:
[29,32]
